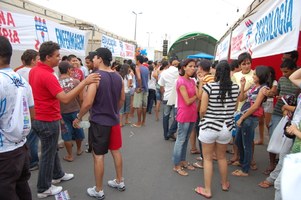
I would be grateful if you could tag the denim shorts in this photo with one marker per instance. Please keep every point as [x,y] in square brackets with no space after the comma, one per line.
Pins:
[126,105]
[71,133]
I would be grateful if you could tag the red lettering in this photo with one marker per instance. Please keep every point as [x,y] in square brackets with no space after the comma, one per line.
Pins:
[2,18]
[236,42]
[10,20]
[11,35]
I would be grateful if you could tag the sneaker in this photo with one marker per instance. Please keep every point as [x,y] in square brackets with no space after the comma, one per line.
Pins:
[120,186]
[66,177]
[33,168]
[92,192]
[53,190]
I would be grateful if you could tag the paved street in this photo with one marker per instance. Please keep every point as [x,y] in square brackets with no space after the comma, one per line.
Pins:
[148,172]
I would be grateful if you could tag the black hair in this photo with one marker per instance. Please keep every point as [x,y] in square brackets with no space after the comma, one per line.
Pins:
[89,58]
[47,49]
[263,74]
[164,64]
[294,55]
[116,65]
[80,61]
[289,64]
[151,69]
[28,56]
[6,50]
[205,65]
[64,58]
[184,64]
[64,66]
[140,59]
[272,76]
[213,65]
[234,64]
[124,70]
[222,75]
[69,58]
[145,59]
[244,56]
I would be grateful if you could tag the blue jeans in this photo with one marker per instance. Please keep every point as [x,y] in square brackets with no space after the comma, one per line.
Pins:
[150,100]
[50,165]
[244,139]
[33,144]
[274,122]
[166,114]
[180,148]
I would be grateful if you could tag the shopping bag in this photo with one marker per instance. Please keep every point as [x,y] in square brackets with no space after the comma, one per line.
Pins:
[290,177]
[279,142]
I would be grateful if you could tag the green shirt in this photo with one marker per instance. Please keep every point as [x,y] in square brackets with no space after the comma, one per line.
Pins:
[284,87]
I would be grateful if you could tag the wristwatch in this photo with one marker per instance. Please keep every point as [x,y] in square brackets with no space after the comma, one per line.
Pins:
[77,116]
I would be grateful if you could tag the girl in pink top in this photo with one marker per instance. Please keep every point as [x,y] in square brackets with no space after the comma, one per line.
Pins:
[186,115]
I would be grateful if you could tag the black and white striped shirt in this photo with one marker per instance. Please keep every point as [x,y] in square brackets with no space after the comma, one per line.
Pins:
[217,112]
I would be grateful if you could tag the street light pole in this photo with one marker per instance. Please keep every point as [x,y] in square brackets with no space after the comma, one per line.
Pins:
[136,22]
[149,33]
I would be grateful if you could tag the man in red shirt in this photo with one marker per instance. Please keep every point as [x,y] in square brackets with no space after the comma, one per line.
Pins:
[47,94]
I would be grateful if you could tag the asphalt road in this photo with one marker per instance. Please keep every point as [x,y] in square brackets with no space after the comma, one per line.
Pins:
[148,172]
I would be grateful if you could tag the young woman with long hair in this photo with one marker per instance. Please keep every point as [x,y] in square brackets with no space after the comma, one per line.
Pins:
[219,102]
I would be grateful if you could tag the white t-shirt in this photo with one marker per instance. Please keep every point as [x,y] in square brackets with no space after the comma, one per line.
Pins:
[24,72]
[152,82]
[168,80]
[15,100]
[125,82]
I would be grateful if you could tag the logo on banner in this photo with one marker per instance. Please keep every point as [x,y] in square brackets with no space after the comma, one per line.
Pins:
[248,47]
[41,29]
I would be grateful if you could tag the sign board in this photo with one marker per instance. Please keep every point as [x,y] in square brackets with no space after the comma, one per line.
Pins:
[272,28]
[29,32]
[118,48]
[222,49]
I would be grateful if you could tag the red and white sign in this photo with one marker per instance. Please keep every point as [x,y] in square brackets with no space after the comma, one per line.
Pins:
[222,49]
[272,28]
[29,32]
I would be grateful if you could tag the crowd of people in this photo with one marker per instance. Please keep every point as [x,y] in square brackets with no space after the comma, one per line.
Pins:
[209,105]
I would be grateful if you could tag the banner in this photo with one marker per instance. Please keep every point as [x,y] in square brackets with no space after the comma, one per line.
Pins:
[222,49]
[29,32]
[273,28]
[118,48]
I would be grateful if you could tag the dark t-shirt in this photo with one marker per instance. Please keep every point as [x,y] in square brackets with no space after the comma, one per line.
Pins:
[105,109]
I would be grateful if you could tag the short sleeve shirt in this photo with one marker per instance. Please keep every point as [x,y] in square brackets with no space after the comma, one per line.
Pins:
[45,87]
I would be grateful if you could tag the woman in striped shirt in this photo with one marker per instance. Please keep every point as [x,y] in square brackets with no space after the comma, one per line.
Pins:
[219,101]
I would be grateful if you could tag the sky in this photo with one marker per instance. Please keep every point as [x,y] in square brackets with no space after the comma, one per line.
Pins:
[160,19]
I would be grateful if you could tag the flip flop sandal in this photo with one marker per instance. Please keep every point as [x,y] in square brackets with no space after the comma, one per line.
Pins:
[200,191]
[189,167]
[198,165]
[239,173]
[67,159]
[181,171]
[236,163]
[226,186]
[265,184]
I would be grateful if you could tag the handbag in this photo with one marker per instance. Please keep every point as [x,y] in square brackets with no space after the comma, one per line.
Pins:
[279,142]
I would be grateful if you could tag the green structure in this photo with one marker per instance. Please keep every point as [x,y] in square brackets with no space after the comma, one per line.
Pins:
[192,43]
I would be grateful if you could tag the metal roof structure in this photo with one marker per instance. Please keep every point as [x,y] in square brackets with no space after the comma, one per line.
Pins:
[192,43]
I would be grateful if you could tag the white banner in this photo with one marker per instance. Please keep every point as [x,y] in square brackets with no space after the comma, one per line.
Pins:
[222,49]
[273,28]
[29,32]
[118,48]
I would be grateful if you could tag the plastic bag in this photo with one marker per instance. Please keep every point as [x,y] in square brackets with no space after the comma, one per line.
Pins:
[279,142]
[290,178]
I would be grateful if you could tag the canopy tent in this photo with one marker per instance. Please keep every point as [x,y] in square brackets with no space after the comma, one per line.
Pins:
[201,55]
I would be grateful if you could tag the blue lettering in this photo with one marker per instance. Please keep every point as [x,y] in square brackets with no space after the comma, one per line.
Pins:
[69,40]
[275,23]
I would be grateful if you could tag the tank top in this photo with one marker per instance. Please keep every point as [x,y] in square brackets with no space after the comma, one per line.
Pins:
[105,110]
